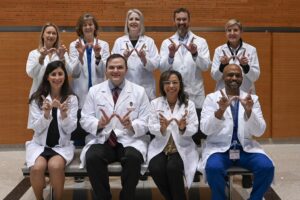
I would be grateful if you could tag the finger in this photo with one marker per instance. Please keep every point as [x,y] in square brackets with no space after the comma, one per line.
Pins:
[222,93]
[104,114]
[43,97]
[127,114]
[250,91]
[244,53]
[171,41]
[142,47]
[192,41]
[127,47]
[224,53]
[161,115]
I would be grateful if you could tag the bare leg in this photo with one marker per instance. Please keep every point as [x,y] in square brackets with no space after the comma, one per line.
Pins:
[37,177]
[56,168]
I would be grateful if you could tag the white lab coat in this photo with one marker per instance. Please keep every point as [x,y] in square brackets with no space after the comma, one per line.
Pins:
[190,69]
[137,72]
[36,71]
[219,132]
[184,142]
[249,78]
[40,126]
[132,97]
[80,79]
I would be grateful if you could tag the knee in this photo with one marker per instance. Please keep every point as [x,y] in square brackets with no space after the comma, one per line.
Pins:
[155,168]
[56,167]
[92,157]
[211,168]
[36,169]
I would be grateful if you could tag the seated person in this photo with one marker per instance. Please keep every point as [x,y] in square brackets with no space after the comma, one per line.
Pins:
[229,118]
[53,117]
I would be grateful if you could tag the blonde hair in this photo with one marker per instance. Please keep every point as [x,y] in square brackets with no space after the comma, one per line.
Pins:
[232,22]
[57,42]
[140,14]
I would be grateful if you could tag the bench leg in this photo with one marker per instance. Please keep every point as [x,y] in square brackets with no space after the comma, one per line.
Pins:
[230,186]
[51,195]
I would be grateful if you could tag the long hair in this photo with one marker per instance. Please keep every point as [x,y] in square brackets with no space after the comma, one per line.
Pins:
[80,22]
[42,42]
[142,26]
[182,96]
[45,87]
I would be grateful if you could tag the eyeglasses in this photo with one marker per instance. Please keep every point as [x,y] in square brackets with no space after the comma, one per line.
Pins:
[171,82]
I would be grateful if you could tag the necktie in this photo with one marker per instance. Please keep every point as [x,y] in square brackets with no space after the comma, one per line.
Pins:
[53,132]
[112,140]
[235,115]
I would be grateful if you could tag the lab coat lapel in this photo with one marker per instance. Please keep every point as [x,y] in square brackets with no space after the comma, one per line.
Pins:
[125,93]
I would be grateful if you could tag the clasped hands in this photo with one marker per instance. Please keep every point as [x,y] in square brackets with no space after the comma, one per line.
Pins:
[141,53]
[243,59]
[47,107]
[125,120]
[164,122]
[246,102]
[173,48]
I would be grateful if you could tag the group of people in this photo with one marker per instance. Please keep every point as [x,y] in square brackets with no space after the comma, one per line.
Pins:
[111,104]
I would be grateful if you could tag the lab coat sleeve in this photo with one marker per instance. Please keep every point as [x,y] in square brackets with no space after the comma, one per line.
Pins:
[153,123]
[100,68]
[37,121]
[164,56]
[209,124]
[33,66]
[215,72]
[89,121]
[152,56]
[203,58]
[75,63]
[192,121]
[69,124]
[254,70]
[256,124]
[140,124]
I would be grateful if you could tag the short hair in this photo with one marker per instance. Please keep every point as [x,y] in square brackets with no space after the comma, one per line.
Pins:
[179,10]
[232,22]
[142,26]
[80,22]
[182,95]
[57,42]
[113,56]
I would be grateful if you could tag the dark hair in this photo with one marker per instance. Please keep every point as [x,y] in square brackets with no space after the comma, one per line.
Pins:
[116,55]
[45,88]
[182,96]
[80,22]
[179,10]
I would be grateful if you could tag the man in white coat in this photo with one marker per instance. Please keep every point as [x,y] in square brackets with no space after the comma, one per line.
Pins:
[229,118]
[115,113]
[188,54]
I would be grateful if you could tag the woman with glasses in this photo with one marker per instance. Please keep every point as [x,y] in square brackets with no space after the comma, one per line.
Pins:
[172,154]
[236,51]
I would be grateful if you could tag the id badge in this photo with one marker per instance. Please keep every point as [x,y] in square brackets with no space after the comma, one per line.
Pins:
[234,154]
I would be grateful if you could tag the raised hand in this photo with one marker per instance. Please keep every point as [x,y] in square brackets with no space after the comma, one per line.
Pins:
[164,123]
[104,120]
[127,52]
[125,120]
[224,102]
[247,103]
[80,48]
[243,59]
[142,54]
[61,51]
[182,122]
[173,48]
[64,107]
[97,48]
[192,47]
[46,107]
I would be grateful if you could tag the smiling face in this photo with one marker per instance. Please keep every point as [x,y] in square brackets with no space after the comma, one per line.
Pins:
[134,22]
[171,87]
[233,35]
[49,37]
[116,70]
[88,28]
[56,79]
[182,23]
[233,78]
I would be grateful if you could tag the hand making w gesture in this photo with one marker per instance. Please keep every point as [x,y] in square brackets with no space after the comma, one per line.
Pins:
[247,103]
[173,48]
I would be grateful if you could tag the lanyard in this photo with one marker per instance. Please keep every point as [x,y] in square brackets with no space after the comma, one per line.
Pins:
[234,53]
[235,115]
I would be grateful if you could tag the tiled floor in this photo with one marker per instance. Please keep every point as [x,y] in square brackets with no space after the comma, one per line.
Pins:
[285,155]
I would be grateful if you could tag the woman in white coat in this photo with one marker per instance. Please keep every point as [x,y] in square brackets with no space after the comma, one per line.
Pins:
[53,117]
[49,50]
[236,51]
[172,154]
[140,51]
[88,56]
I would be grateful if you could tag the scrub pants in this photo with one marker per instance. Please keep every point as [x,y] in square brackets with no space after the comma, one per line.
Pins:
[259,164]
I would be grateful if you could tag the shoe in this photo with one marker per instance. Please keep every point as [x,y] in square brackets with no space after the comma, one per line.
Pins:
[78,179]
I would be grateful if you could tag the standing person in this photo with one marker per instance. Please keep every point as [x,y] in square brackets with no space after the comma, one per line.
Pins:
[52,116]
[115,114]
[230,118]
[88,56]
[140,51]
[188,54]
[236,51]
[172,154]
[49,50]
